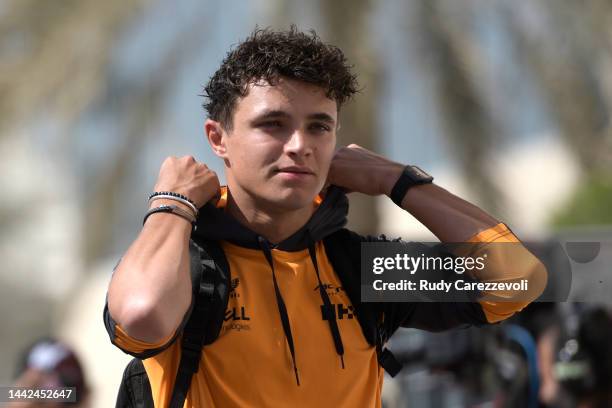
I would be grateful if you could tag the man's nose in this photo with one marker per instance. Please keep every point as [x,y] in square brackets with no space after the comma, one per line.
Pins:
[298,144]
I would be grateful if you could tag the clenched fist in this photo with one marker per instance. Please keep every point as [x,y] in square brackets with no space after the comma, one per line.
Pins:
[357,169]
[186,176]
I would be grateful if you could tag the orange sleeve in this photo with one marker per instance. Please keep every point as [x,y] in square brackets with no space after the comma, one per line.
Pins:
[512,263]
[497,233]
[137,348]
[127,343]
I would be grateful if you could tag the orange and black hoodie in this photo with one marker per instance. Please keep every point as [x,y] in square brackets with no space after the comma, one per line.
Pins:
[276,323]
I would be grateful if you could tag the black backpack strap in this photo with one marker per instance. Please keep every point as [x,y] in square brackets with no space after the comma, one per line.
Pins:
[135,389]
[210,284]
[343,249]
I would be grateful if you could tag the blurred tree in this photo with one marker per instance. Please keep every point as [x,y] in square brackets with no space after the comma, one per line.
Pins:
[55,55]
[346,24]
[590,205]
[570,56]
[141,106]
[568,48]
[452,57]
[56,63]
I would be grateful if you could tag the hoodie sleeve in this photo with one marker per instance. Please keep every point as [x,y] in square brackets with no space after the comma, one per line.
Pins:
[134,347]
[510,264]
[137,348]
[506,263]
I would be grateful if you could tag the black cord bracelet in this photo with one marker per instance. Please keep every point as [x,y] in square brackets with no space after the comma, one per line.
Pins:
[172,209]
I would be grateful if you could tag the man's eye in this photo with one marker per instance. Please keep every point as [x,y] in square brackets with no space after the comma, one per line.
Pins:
[320,127]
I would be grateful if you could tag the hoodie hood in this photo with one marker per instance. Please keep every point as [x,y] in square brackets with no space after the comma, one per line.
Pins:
[214,223]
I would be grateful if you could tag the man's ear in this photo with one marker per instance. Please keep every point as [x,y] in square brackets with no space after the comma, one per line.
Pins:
[216,137]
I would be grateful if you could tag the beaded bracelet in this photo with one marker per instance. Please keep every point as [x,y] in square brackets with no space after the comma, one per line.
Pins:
[156,193]
[171,209]
[169,195]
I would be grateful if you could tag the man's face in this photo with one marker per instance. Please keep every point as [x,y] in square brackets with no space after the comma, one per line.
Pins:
[281,143]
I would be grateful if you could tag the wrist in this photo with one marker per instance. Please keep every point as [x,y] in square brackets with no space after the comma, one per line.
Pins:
[166,221]
[410,176]
[390,177]
[174,210]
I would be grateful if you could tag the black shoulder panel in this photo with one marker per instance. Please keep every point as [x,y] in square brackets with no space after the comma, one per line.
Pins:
[135,389]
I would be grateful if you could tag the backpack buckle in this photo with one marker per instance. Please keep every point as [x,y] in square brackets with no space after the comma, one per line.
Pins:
[206,288]
[388,361]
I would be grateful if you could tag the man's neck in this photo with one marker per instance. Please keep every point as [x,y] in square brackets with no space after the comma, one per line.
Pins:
[274,224]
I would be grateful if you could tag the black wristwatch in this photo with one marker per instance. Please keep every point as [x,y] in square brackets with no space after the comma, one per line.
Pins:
[411,176]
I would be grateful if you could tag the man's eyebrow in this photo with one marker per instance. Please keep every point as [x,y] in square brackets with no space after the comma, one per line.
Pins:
[276,114]
[322,116]
[271,114]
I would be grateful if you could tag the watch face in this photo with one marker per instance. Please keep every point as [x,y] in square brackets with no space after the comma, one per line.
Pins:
[420,175]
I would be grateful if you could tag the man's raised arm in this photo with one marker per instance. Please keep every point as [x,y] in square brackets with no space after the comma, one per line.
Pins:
[451,219]
[150,291]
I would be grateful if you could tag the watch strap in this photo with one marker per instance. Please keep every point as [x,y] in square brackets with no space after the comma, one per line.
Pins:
[411,176]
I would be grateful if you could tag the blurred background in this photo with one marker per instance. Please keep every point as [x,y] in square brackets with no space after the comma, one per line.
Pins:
[507,103]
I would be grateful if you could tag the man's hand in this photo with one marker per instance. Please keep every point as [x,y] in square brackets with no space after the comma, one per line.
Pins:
[188,177]
[357,169]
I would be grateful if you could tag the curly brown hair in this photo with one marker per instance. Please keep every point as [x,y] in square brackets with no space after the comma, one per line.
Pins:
[268,55]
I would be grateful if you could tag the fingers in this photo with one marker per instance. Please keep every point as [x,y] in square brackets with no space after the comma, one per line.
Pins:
[186,176]
[182,159]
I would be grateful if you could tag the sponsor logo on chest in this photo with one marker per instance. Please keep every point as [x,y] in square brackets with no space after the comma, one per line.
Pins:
[236,317]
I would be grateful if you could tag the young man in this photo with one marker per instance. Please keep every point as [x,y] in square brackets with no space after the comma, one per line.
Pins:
[273,115]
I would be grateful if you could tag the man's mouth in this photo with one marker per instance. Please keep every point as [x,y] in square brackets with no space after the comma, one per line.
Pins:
[295,170]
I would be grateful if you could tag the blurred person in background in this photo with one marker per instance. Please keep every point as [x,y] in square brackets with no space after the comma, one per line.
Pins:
[579,366]
[294,331]
[49,364]
[574,363]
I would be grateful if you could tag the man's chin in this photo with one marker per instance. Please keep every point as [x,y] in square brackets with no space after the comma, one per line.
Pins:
[292,199]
